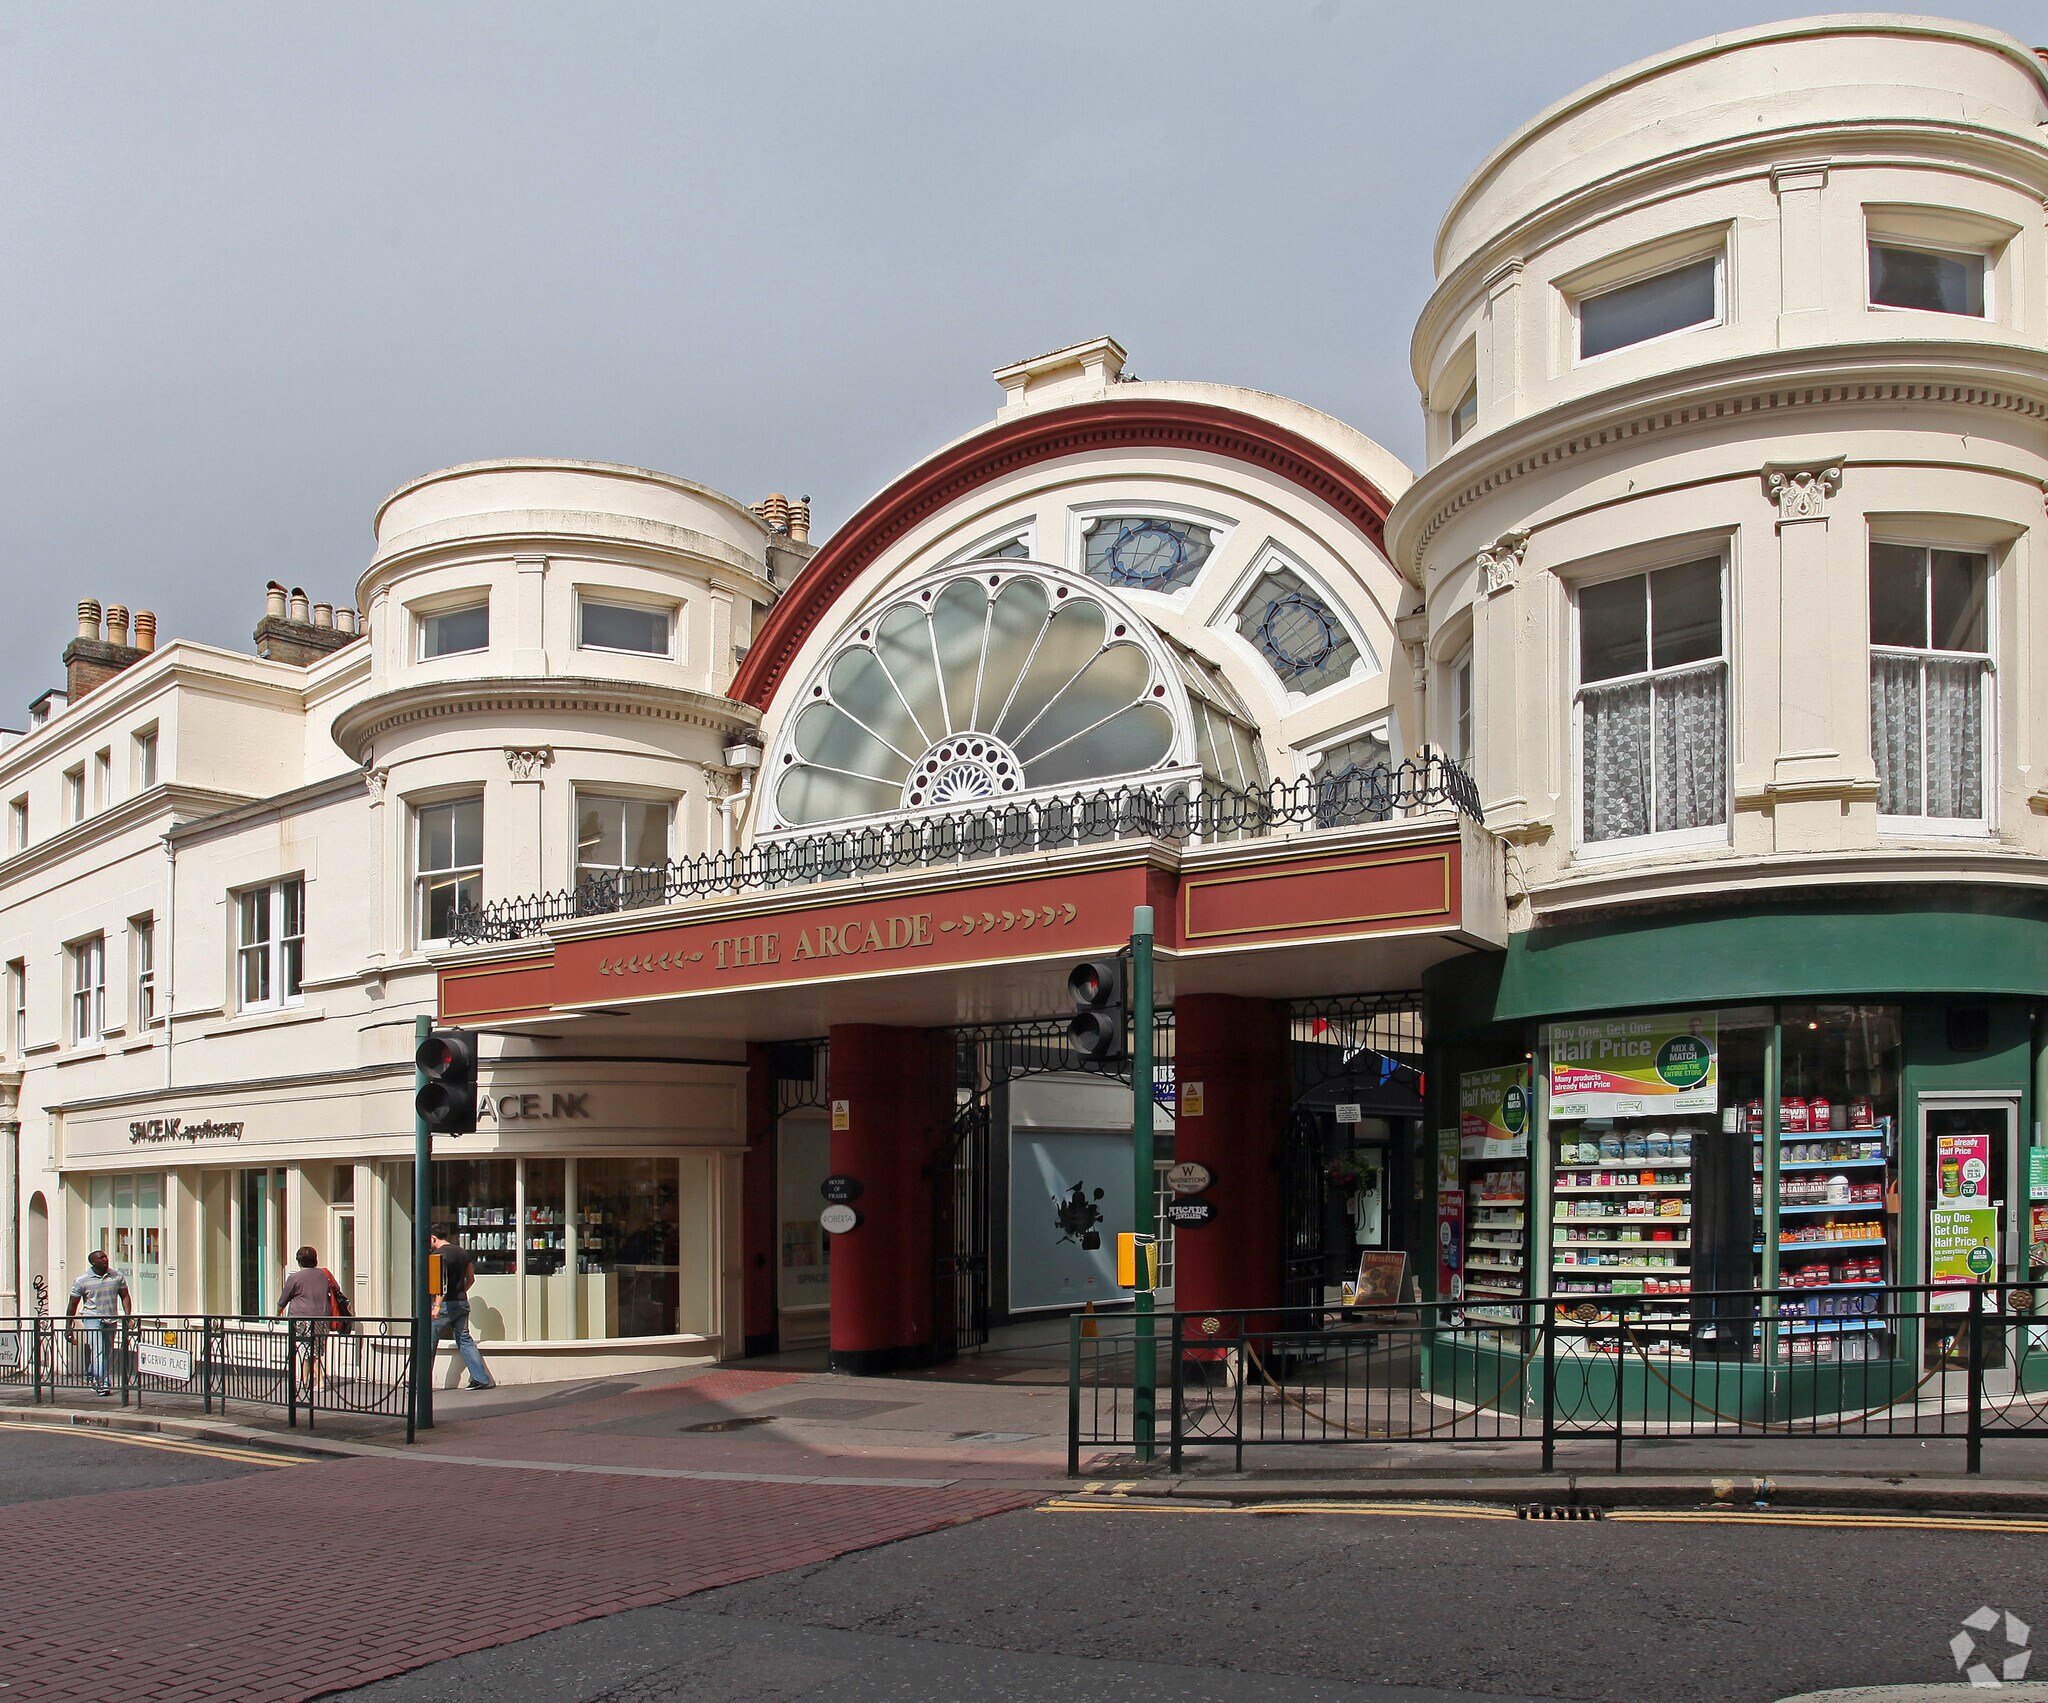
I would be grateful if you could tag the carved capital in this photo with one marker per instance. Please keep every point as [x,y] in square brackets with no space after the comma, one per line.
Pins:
[374,782]
[1802,493]
[526,762]
[1501,562]
[719,783]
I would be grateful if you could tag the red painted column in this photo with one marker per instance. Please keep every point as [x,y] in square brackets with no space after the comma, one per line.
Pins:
[758,1237]
[1237,1050]
[895,1086]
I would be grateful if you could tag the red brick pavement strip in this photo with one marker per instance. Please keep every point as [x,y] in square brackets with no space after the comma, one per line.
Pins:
[289,1584]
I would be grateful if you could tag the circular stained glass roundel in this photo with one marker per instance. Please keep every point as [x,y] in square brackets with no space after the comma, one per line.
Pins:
[973,686]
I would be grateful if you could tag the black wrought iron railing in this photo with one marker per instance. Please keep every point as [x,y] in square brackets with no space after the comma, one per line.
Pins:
[1558,1375]
[1175,811]
[307,1368]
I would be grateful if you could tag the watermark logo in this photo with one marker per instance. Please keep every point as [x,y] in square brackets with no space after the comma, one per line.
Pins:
[1973,1661]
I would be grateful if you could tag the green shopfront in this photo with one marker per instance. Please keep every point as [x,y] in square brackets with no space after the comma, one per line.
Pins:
[1655,1118]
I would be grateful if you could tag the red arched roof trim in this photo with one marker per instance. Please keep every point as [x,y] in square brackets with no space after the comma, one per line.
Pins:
[1003,449]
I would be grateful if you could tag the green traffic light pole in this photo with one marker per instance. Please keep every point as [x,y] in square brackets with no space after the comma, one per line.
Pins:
[1145,1376]
[422,1208]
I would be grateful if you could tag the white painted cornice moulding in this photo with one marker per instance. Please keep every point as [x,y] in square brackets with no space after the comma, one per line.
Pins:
[624,540]
[1768,386]
[181,803]
[279,804]
[357,729]
[1919,864]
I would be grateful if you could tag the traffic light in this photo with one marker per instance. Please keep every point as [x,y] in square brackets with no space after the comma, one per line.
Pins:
[446,1101]
[1096,1029]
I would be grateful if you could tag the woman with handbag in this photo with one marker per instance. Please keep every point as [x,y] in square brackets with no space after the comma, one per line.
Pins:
[310,1294]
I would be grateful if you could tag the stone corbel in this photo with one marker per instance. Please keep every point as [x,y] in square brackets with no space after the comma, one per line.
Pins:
[526,762]
[1500,563]
[374,783]
[1802,491]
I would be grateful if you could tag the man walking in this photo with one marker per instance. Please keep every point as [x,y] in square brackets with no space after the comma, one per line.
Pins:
[451,1306]
[103,1293]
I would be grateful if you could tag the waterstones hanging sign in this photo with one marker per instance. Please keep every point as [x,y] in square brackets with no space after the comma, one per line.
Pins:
[1621,1067]
[1493,1113]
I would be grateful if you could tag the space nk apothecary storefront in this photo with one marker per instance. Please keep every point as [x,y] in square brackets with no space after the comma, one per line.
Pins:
[1824,1101]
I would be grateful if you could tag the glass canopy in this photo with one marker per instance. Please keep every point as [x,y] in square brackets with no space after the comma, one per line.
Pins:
[987,681]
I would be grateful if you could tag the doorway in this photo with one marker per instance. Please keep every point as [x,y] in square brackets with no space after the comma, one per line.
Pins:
[1975,1229]
[39,1251]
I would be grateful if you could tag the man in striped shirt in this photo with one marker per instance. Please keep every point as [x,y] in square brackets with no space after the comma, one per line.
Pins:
[103,1293]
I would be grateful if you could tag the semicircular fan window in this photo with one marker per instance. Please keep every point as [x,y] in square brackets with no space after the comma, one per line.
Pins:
[977,686]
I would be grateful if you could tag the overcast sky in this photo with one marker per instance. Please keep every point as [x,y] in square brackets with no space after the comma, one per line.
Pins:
[259,264]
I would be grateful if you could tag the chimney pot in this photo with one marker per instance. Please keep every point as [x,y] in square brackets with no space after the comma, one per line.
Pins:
[323,615]
[89,618]
[345,619]
[145,629]
[800,521]
[117,624]
[273,601]
[301,611]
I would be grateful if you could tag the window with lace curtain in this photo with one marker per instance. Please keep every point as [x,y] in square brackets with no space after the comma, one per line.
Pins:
[1652,705]
[1929,658]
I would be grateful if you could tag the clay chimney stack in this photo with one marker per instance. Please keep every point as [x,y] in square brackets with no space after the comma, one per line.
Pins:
[145,630]
[92,658]
[89,619]
[117,624]
[273,601]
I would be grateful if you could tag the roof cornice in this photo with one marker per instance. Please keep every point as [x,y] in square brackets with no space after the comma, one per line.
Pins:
[357,728]
[1998,378]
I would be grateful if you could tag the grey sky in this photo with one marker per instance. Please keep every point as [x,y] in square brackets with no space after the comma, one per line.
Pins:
[261,263]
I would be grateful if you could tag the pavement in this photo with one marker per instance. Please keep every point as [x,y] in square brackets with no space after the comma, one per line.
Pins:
[528,1512]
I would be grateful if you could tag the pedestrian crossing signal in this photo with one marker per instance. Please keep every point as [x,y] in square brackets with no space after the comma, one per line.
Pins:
[446,1099]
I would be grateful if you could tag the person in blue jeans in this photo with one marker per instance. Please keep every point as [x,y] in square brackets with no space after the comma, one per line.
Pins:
[451,1306]
[103,1293]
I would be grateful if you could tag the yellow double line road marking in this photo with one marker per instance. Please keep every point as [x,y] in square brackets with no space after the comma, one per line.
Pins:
[1120,1499]
[170,1445]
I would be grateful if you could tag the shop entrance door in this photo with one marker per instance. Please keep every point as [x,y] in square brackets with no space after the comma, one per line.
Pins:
[1346,1177]
[1974,1227]
[803,1274]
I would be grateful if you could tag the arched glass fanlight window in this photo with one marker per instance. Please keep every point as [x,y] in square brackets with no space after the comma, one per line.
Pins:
[1293,627]
[981,683]
[1141,552]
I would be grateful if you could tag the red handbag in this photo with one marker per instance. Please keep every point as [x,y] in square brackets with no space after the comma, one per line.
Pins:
[337,1305]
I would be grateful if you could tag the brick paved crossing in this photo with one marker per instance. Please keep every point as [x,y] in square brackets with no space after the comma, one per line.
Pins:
[201,1592]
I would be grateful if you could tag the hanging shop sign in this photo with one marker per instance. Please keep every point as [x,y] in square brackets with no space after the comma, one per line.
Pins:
[1962,1171]
[1493,1112]
[1634,1066]
[1188,1177]
[838,1219]
[840,1190]
[1190,1210]
[1962,1247]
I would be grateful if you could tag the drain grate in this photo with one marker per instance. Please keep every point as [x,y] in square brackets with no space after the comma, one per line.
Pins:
[995,1436]
[1559,1511]
[711,1425]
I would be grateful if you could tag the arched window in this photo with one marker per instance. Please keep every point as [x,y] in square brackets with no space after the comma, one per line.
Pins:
[988,682]
[1140,552]
[1293,626]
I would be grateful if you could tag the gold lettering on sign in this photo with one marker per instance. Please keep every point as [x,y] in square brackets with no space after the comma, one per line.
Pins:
[905,931]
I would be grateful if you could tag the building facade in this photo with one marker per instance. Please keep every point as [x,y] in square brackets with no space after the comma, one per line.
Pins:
[1668,745]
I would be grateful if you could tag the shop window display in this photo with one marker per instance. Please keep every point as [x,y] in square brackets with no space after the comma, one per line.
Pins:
[1651,1194]
[1494,1117]
[1837,1178]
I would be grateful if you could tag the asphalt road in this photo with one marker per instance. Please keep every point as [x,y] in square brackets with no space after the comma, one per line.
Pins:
[38,1463]
[1306,1608]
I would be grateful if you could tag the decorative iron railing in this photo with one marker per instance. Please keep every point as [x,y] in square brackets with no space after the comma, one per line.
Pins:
[1179,811]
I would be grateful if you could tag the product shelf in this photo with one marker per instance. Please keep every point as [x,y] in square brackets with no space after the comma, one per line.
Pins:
[1825,1164]
[1830,1206]
[1815,1247]
[1620,1269]
[1613,1242]
[1621,1188]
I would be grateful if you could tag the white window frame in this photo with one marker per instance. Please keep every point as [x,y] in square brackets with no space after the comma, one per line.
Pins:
[142,972]
[74,795]
[610,598]
[1671,839]
[1458,678]
[665,802]
[1025,530]
[17,822]
[421,875]
[1223,622]
[1947,827]
[17,1005]
[145,749]
[423,617]
[86,962]
[1718,254]
[1873,240]
[274,949]
[1469,396]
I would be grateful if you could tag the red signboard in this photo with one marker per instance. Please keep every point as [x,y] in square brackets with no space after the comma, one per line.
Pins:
[1369,892]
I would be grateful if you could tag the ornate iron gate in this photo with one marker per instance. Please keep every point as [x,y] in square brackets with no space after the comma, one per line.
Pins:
[1373,1041]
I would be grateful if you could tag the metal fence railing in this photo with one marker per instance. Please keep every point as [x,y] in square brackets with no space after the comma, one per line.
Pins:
[304,1366]
[1964,1365]
[1191,811]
